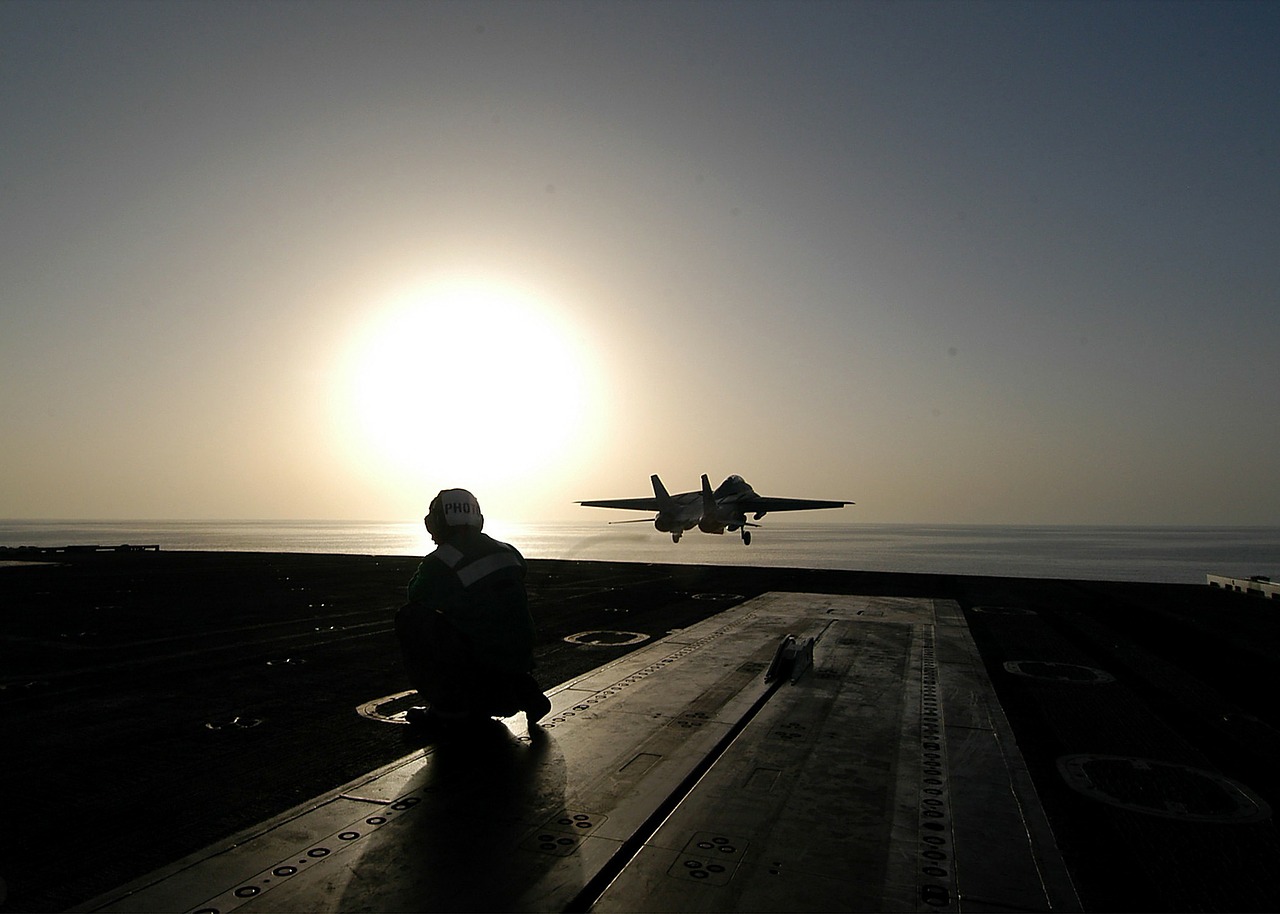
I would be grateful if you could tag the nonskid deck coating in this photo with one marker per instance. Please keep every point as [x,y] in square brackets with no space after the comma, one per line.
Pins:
[836,794]
[114,666]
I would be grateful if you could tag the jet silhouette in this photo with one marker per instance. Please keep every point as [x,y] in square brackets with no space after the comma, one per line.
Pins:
[726,508]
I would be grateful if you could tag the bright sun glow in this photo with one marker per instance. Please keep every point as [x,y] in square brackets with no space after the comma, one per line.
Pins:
[467,383]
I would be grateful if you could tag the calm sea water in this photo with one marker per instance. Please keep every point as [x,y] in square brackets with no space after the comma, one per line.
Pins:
[1178,555]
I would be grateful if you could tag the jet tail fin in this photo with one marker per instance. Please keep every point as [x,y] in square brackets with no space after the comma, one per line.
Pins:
[659,490]
[708,498]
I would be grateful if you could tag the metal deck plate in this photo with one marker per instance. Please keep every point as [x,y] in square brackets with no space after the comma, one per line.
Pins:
[703,788]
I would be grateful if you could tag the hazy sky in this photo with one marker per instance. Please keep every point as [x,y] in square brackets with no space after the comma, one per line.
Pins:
[1006,263]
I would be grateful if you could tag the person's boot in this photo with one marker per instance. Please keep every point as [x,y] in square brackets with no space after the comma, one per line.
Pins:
[536,706]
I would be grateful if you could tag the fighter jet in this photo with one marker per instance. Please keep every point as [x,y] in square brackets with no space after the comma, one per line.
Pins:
[711,512]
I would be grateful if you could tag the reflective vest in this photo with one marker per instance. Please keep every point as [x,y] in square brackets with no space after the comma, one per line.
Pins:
[477,584]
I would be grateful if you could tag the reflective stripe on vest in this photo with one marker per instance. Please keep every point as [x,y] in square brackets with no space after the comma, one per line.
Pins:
[450,555]
[480,568]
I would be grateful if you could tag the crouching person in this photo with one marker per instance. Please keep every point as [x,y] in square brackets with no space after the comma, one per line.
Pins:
[465,632]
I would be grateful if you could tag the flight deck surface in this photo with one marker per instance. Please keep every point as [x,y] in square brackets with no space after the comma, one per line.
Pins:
[222,730]
[678,779]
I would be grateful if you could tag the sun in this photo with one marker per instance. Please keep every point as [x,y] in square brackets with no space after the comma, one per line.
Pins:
[466,383]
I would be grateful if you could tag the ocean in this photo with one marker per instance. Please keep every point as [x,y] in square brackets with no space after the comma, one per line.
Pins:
[1174,555]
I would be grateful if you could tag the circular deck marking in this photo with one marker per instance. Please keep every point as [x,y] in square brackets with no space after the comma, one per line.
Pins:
[1163,789]
[235,723]
[606,639]
[1054,671]
[717,596]
[389,709]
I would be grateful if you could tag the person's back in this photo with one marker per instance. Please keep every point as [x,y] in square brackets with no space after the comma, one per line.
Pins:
[466,631]
[477,584]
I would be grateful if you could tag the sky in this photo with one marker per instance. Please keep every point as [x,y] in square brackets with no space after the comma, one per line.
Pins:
[1008,263]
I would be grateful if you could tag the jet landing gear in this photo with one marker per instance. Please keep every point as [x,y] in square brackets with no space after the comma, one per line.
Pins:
[746,537]
[675,536]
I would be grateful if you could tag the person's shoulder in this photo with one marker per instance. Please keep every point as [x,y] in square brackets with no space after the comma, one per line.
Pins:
[443,557]
[494,546]
[433,577]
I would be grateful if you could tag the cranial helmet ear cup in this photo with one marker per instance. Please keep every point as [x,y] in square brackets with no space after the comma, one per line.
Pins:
[434,520]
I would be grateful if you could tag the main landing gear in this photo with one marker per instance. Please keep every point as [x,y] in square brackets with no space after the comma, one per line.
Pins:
[675,536]
[746,537]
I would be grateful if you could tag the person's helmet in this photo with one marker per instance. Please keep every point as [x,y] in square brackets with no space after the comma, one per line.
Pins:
[454,508]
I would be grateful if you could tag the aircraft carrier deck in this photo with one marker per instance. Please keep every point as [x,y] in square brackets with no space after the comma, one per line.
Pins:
[220,731]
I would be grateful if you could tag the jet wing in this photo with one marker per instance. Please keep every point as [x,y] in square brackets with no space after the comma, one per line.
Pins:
[629,504]
[764,503]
